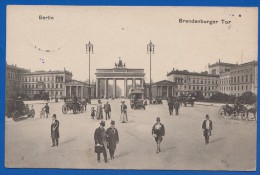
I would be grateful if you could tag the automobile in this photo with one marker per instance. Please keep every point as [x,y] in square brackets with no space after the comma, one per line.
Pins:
[137,100]
[16,108]
[158,100]
[187,99]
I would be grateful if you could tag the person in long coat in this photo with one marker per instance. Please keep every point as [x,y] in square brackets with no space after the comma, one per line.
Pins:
[112,139]
[176,107]
[55,135]
[99,110]
[107,109]
[207,127]
[158,131]
[123,112]
[100,141]
[170,106]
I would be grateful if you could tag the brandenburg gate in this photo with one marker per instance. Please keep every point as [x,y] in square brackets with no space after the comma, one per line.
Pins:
[119,72]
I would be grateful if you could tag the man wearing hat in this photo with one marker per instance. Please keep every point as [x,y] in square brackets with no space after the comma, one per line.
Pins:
[107,109]
[112,139]
[123,112]
[158,132]
[55,131]
[207,127]
[100,141]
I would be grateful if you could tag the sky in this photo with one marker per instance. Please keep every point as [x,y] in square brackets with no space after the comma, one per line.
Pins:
[125,32]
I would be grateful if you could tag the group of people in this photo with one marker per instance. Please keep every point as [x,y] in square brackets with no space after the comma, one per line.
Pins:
[107,109]
[106,139]
[173,104]
[99,111]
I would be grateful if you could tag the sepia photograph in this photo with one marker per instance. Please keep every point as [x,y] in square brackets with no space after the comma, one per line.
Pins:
[131,87]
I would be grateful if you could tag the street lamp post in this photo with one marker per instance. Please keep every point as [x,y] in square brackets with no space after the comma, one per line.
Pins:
[89,49]
[150,50]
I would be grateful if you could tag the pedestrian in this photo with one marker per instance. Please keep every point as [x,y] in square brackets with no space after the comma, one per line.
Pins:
[176,107]
[55,135]
[123,117]
[100,141]
[170,106]
[99,110]
[93,112]
[112,139]
[207,127]
[158,132]
[107,109]
[47,110]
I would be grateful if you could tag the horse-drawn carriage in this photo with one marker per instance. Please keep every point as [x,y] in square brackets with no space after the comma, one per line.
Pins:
[76,106]
[237,110]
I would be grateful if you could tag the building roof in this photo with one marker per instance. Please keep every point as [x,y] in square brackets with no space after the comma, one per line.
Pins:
[162,83]
[254,63]
[221,64]
[76,82]
[41,72]
[16,68]
[185,72]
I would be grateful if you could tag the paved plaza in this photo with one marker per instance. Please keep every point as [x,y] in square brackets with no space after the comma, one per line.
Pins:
[232,144]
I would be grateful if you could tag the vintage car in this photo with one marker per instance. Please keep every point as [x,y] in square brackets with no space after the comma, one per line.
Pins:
[74,105]
[157,100]
[17,108]
[187,99]
[137,100]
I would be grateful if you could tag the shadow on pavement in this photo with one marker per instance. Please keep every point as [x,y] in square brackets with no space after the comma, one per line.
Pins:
[218,139]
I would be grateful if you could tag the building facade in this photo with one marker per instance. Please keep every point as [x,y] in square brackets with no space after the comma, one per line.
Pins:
[13,79]
[192,82]
[79,89]
[243,78]
[50,82]
[164,89]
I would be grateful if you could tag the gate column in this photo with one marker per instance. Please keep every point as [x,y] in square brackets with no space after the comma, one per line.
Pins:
[125,87]
[97,88]
[114,88]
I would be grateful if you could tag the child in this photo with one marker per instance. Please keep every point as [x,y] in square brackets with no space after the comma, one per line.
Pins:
[93,112]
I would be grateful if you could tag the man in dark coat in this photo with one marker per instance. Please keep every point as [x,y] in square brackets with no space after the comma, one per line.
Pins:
[112,139]
[55,135]
[47,110]
[100,141]
[176,107]
[207,127]
[107,109]
[158,132]
[170,105]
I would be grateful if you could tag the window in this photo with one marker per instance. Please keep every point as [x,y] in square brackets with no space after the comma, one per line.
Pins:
[52,86]
[234,79]
[57,86]
[238,79]
[251,78]
[60,92]
[246,78]
[238,88]
[242,78]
